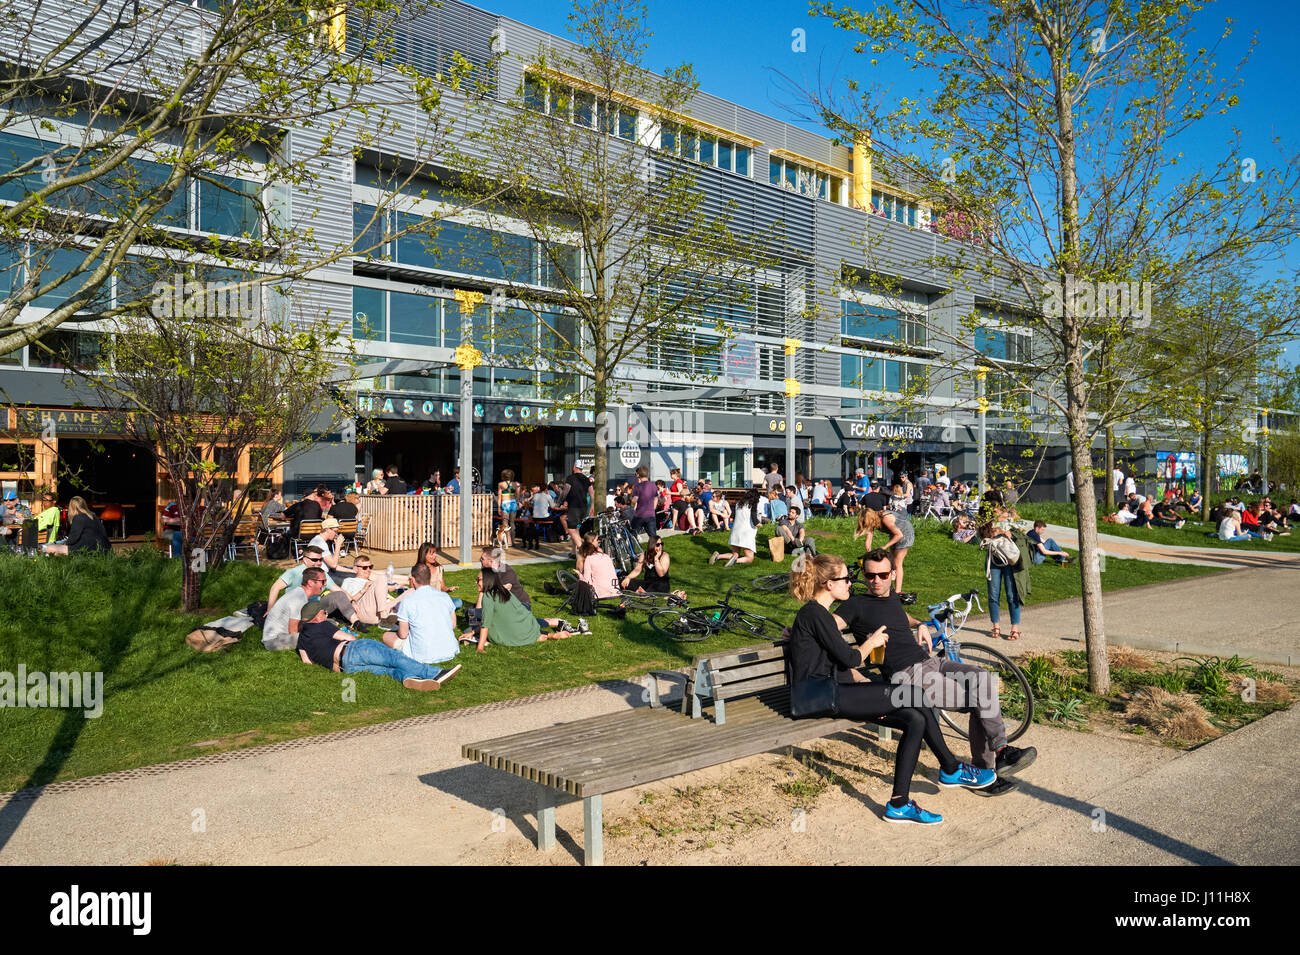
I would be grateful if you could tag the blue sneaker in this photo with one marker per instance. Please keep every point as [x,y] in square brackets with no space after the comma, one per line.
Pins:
[911,813]
[968,777]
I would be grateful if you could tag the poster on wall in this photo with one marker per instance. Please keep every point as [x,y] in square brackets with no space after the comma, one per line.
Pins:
[1176,470]
[1232,465]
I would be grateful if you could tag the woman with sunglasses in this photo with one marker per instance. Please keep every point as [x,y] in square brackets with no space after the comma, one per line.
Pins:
[428,554]
[819,652]
[369,597]
[652,564]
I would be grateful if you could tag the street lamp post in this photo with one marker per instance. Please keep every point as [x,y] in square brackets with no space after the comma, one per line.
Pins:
[467,359]
[982,403]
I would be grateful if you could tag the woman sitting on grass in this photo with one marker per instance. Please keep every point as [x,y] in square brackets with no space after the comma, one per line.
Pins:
[653,564]
[1230,527]
[597,568]
[428,554]
[508,622]
[86,534]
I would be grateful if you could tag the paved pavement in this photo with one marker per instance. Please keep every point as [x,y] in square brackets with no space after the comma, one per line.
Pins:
[402,793]
[1226,557]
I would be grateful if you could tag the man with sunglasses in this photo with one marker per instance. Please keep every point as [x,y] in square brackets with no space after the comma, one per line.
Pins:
[947,685]
[369,597]
[334,600]
[280,630]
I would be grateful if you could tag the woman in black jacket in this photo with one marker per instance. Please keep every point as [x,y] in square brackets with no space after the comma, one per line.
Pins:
[86,534]
[819,653]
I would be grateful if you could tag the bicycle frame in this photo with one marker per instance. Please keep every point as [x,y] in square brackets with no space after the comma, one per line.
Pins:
[946,630]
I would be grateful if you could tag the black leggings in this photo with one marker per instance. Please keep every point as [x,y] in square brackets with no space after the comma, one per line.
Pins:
[878,702]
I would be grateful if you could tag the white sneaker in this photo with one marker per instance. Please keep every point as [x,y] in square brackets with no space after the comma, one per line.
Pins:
[583,627]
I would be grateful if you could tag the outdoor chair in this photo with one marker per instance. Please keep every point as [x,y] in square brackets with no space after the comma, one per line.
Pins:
[245,537]
[348,532]
[306,531]
[363,529]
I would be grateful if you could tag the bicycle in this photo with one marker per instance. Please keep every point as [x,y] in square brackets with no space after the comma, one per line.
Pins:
[616,538]
[774,582]
[947,619]
[625,599]
[691,625]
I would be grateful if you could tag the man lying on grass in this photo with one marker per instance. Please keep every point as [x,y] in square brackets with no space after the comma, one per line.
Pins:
[324,643]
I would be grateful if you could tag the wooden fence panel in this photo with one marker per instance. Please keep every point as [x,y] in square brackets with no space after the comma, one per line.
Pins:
[404,522]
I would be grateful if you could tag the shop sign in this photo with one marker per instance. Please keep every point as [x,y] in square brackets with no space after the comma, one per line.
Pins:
[629,455]
[489,412]
[779,425]
[67,421]
[886,432]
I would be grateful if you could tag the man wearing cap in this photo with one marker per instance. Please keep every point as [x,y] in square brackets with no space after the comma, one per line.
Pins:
[875,498]
[323,643]
[12,513]
[861,484]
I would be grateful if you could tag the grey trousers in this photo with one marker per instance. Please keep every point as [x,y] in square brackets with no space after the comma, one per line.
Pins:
[963,686]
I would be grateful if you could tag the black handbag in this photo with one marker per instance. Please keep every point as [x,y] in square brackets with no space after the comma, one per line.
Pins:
[818,696]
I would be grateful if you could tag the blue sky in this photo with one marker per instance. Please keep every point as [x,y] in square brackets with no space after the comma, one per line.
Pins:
[736,49]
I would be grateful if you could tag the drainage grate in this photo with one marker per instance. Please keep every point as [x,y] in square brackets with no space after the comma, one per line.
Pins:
[159,769]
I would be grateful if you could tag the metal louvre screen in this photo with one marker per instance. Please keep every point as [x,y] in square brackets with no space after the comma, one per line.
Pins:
[427,41]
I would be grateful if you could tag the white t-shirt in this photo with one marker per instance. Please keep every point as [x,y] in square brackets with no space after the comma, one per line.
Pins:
[275,633]
[1130,486]
[1227,529]
[943,481]
[1125,516]
[430,637]
[820,494]
[762,510]
[352,586]
[1069,481]
[1117,478]
[329,547]
[542,502]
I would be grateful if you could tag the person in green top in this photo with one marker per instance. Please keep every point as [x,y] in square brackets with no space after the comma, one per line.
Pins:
[508,622]
[49,516]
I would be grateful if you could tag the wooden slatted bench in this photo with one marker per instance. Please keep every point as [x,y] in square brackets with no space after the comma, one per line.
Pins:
[606,754]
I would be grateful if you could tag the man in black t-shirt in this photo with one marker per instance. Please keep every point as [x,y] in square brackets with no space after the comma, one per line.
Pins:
[579,504]
[947,685]
[875,499]
[327,645]
[394,483]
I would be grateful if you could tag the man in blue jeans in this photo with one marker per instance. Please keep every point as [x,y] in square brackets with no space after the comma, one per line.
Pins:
[1041,548]
[323,643]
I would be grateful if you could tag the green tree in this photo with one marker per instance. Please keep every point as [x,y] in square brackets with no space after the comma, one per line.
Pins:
[175,131]
[632,251]
[1057,129]
[201,395]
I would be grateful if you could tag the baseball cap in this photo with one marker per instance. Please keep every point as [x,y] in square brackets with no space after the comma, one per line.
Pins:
[328,523]
[310,609]
[11,495]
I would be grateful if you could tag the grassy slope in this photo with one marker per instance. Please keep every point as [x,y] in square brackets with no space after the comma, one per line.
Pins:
[1191,535]
[113,614]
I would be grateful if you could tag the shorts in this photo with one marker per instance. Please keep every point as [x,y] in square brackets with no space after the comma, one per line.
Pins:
[575,515]
[509,507]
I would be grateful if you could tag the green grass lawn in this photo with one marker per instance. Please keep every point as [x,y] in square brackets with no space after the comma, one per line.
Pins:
[114,614]
[1191,535]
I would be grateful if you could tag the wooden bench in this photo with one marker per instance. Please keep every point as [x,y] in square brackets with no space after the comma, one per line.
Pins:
[750,700]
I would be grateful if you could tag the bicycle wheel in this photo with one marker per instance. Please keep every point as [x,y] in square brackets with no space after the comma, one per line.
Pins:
[1017,698]
[771,582]
[739,621]
[687,626]
[567,579]
[644,602]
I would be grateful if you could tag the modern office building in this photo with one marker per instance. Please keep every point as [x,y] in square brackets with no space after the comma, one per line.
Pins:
[857,349]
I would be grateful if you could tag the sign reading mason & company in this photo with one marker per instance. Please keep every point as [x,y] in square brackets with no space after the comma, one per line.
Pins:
[404,408]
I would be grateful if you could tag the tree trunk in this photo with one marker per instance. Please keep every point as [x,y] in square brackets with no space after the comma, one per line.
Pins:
[191,574]
[600,396]
[1205,474]
[1110,469]
[1085,508]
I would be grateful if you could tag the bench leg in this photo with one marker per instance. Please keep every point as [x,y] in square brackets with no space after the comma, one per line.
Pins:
[545,819]
[593,832]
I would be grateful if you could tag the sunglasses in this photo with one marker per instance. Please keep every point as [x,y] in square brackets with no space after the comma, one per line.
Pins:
[846,577]
[314,560]
[878,575]
[364,567]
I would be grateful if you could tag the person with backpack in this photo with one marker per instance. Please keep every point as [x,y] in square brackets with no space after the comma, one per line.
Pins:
[1006,568]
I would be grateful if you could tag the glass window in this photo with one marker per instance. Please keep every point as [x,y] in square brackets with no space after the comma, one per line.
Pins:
[873,374]
[627,124]
[515,332]
[230,207]
[792,176]
[774,171]
[368,314]
[893,376]
[724,154]
[416,248]
[584,109]
[850,371]
[836,183]
[706,150]
[60,262]
[450,323]
[558,333]
[482,381]
[742,160]
[534,94]
[369,233]
[514,383]
[690,143]
[668,137]
[70,350]
[558,262]
[413,319]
